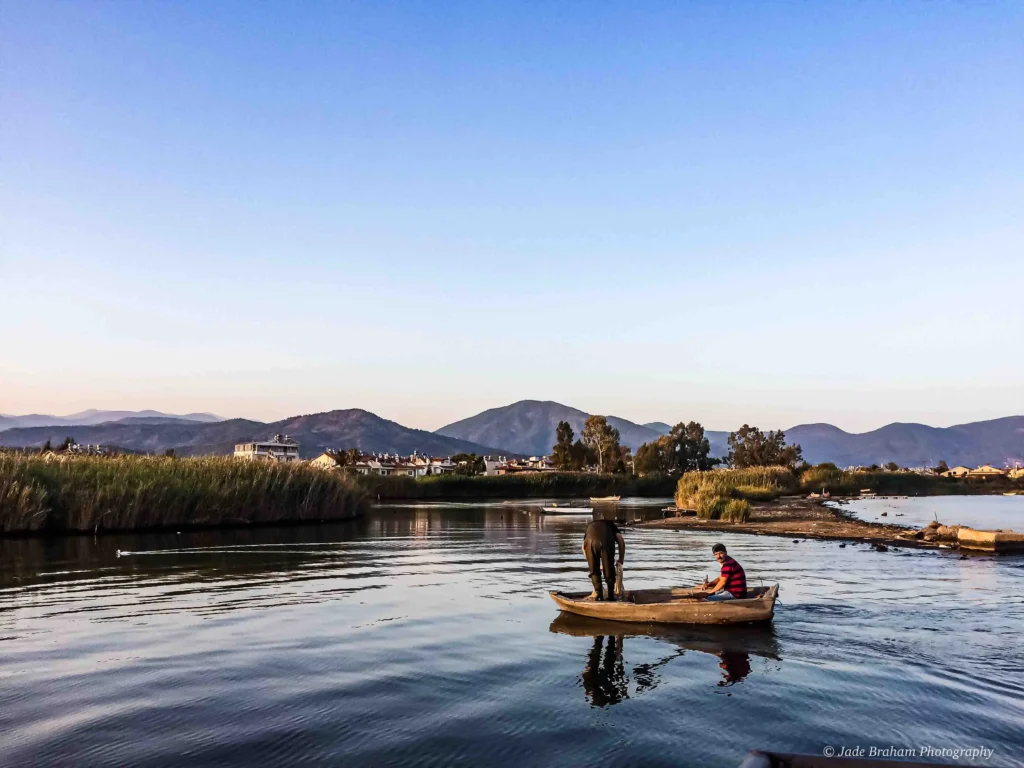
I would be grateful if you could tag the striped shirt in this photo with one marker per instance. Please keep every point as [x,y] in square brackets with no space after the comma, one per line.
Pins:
[735,578]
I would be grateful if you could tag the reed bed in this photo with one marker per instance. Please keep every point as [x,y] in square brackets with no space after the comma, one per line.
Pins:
[725,494]
[97,493]
[849,483]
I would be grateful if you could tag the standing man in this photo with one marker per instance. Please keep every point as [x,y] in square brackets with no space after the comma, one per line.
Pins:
[599,549]
[732,584]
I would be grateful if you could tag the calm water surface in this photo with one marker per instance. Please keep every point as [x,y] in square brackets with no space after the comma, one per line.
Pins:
[424,636]
[1003,512]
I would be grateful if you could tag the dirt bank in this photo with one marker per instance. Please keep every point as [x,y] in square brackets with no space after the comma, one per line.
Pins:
[796,518]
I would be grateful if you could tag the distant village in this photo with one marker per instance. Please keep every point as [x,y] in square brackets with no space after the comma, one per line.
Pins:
[285,449]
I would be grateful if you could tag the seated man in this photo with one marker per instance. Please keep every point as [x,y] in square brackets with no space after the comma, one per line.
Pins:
[599,547]
[732,584]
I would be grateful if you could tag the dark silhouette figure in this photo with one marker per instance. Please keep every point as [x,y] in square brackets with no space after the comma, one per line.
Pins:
[599,544]
[604,678]
[735,666]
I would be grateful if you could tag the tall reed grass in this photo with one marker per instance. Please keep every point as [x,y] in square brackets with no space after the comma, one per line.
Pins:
[135,492]
[849,483]
[726,493]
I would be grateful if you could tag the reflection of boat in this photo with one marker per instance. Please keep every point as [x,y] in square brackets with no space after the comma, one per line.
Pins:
[604,679]
[782,760]
[677,605]
[568,510]
[603,499]
[756,639]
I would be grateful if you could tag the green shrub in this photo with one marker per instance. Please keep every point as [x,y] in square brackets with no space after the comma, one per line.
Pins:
[756,493]
[756,483]
[709,505]
[736,511]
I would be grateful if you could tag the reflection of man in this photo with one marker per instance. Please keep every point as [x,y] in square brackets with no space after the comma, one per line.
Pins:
[599,548]
[732,584]
[604,680]
[735,665]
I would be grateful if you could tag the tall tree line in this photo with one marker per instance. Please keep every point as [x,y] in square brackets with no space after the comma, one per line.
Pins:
[683,449]
[598,446]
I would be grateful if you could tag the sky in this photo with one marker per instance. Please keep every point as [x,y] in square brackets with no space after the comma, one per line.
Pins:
[731,212]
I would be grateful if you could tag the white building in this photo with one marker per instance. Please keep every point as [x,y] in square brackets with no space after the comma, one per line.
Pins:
[280,448]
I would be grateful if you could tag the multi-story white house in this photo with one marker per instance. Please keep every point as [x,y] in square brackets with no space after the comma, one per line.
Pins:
[279,448]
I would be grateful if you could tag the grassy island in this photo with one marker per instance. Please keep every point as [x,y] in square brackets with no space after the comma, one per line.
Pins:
[99,493]
[726,494]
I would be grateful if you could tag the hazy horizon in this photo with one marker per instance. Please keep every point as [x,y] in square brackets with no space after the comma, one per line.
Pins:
[764,213]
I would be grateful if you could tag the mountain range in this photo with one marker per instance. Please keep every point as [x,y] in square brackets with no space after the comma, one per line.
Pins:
[94,416]
[314,433]
[526,428]
[996,442]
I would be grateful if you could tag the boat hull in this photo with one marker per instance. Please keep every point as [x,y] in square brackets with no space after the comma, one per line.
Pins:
[567,510]
[673,606]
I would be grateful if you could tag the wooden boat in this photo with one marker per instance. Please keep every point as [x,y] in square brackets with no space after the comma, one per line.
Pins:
[603,499]
[674,605]
[783,760]
[568,510]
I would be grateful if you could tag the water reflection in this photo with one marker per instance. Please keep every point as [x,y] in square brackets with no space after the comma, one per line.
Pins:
[605,679]
[604,676]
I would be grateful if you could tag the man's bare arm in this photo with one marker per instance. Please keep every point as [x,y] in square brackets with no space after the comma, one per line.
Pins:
[714,586]
[622,546]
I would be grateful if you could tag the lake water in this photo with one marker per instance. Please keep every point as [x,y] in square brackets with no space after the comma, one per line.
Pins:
[425,637]
[987,512]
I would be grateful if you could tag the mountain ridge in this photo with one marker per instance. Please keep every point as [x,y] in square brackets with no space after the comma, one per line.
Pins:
[529,427]
[347,428]
[94,416]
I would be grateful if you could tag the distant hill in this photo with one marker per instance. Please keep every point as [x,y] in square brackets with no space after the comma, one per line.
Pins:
[913,445]
[93,416]
[660,427]
[528,427]
[315,432]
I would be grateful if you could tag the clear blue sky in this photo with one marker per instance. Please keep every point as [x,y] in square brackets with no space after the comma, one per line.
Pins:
[763,212]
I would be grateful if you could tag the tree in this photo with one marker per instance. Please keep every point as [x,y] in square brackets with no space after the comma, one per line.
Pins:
[46,447]
[68,442]
[690,448]
[469,464]
[750,447]
[169,453]
[650,458]
[582,456]
[683,449]
[561,454]
[943,467]
[892,466]
[602,438]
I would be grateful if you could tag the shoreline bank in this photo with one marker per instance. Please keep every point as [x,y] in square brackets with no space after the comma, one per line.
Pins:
[791,517]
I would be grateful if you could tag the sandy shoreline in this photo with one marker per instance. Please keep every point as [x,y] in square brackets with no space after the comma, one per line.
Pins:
[797,518]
